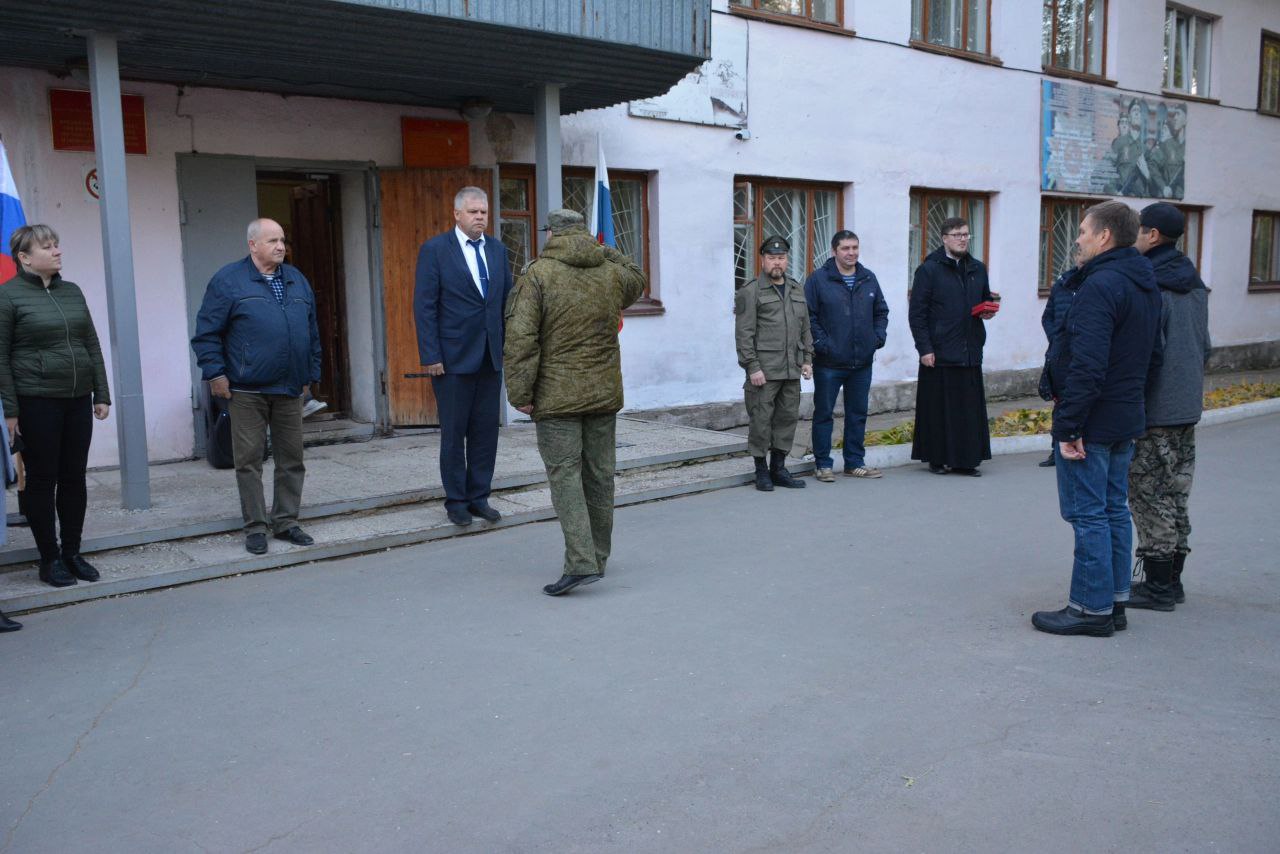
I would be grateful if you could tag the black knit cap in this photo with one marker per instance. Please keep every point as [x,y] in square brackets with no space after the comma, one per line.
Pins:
[1165,218]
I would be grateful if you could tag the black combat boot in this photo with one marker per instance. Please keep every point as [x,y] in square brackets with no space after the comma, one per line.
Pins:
[763,481]
[778,471]
[1179,558]
[1156,593]
[1118,617]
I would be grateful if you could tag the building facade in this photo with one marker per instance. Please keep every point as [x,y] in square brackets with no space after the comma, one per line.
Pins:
[810,115]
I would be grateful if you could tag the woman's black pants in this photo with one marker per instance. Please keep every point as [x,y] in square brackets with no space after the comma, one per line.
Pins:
[55,435]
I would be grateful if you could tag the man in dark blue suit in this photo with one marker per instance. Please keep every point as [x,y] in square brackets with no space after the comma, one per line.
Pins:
[460,290]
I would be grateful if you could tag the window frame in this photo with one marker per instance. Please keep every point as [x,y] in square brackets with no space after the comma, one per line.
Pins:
[1045,285]
[647,303]
[1167,78]
[1268,36]
[1190,212]
[923,194]
[923,43]
[1082,74]
[751,9]
[756,221]
[1272,282]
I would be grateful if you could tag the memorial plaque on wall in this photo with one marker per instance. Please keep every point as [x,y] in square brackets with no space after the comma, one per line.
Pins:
[1101,141]
[71,113]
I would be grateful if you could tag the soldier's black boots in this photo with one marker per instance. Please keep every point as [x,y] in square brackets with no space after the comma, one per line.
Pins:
[1156,593]
[1179,595]
[778,472]
[7,625]
[763,481]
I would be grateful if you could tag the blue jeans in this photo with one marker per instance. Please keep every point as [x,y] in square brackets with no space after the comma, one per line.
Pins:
[1093,495]
[827,383]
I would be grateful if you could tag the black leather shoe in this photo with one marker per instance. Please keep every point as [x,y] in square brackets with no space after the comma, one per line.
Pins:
[970,472]
[80,568]
[1071,621]
[484,511]
[55,574]
[1118,617]
[567,583]
[256,544]
[297,536]
[934,468]
[1047,462]
[7,625]
[461,518]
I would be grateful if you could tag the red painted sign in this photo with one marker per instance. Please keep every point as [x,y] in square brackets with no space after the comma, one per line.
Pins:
[71,112]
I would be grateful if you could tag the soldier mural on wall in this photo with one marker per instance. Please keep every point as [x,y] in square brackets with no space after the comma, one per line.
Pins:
[1096,141]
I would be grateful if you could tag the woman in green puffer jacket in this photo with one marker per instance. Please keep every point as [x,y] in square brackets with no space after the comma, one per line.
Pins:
[53,383]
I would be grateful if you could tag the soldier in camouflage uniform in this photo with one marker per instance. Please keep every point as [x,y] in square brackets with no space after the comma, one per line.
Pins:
[1164,459]
[563,367]
[775,348]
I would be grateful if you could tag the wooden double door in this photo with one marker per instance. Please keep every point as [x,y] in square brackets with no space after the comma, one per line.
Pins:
[415,205]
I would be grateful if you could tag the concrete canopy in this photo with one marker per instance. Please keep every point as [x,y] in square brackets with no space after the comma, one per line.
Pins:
[423,52]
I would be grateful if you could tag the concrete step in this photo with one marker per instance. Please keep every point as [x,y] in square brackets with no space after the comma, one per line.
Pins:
[182,560]
[109,528]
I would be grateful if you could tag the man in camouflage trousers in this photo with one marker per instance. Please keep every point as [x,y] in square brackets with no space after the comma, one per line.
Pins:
[1164,459]
[563,368]
[775,348]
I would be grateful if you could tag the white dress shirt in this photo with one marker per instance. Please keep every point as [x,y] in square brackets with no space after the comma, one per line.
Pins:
[470,255]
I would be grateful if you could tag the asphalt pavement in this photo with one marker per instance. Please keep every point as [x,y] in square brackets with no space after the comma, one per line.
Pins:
[848,667]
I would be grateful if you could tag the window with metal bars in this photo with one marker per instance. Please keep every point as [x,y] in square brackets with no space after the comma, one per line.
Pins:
[929,208]
[1073,36]
[805,215]
[963,25]
[629,197]
[1060,225]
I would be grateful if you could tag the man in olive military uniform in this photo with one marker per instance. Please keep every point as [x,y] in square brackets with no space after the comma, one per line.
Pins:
[564,368]
[775,348]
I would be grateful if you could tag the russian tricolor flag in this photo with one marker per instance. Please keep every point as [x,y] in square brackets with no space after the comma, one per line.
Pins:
[11,216]
[602,208]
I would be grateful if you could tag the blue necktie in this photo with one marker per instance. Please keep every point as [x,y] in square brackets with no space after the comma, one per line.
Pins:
[484,272]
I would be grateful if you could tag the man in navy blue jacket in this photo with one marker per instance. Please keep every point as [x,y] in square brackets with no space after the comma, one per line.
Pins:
[258,344]
[461,287]
[849,318]
[1099,376]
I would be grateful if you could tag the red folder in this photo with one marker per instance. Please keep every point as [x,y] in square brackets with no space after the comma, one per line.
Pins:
[984,307]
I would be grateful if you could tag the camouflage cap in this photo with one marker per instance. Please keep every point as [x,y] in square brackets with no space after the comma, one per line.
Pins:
[561,220]
[775,246]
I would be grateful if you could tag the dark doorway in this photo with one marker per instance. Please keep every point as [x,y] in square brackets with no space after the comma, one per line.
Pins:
[307,207]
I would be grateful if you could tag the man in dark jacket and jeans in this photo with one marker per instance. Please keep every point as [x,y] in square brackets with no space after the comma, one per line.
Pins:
[849,318]
[1164,458]
[258,343]
[1099,375]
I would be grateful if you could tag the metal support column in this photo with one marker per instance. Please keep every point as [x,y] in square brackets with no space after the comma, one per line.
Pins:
[108,134]
[546,152]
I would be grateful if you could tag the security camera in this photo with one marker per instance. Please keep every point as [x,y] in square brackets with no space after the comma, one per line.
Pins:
[743,134]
